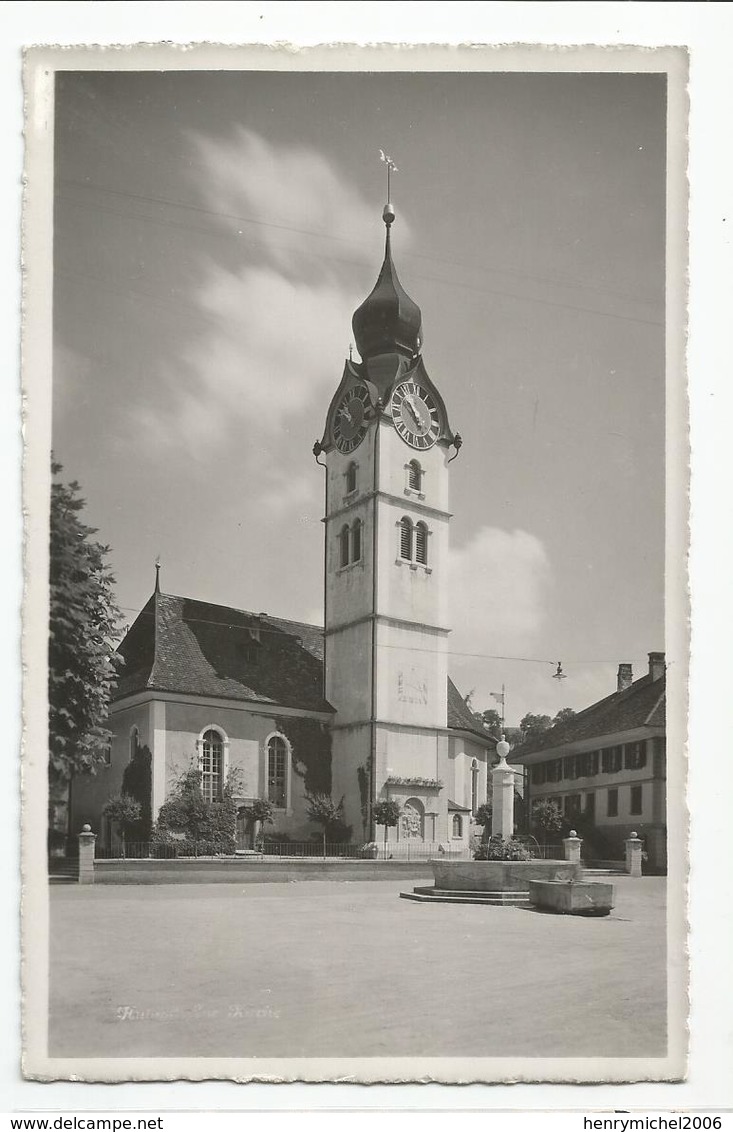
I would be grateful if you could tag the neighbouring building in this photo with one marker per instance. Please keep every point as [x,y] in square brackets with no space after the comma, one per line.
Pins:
[606,766]
[362,709]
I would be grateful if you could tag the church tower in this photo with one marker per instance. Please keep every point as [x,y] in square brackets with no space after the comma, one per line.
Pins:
[386,447]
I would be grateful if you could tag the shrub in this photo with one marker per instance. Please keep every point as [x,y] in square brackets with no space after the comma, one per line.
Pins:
[496,849]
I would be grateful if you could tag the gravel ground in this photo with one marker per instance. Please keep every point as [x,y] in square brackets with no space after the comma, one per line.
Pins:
[346,969]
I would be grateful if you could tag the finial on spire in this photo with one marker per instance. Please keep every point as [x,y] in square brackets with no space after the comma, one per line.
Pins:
[391,168]
[157,574]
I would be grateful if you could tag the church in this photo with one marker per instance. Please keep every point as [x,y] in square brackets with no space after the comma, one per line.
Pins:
[362,709]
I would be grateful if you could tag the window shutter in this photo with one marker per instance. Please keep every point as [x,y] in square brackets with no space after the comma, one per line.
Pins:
[414,475]
[406,539]
[344,557]
[421,544]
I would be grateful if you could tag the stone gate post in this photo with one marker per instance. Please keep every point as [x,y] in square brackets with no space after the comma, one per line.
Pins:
[633,855]
[572,845]
[87,840]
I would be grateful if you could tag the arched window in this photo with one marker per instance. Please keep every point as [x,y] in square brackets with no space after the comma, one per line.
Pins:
[406,539]
[356,541]
[344,546]
[414,476]
[212,760]
[277,772]
[421,544]
[134,742]
[457,825]
[351,478]
[474,787]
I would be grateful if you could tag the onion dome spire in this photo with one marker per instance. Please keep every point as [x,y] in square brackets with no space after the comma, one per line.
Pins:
[388,321]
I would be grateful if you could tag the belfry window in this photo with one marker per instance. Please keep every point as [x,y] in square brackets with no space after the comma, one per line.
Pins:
[277,772]
[421,544]
[406,539]
[344,546]
[356,541]
[212,750]
[414,476]
[351,478]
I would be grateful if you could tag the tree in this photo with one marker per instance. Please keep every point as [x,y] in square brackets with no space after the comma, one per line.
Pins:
[532,725]
[324,812]
[123,810]
[258,814]
[563,715]
[547,816]
[84,623]
[492,722]
[483,816]
[386,813]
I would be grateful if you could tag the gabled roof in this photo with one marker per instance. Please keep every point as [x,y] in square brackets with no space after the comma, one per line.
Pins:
[197,648]
[642,704]
[460,716]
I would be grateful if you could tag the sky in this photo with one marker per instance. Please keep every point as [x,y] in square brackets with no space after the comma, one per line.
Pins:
[213,234]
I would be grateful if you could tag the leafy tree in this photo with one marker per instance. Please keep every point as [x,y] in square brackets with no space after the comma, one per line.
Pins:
[137,782]
[258,813]
[547,816]
[492,722]
[532,725]
[185,810]
[497,849]
[84,622]
[483,815]
[124,811]
[325,812]
[386,813]
[563,715]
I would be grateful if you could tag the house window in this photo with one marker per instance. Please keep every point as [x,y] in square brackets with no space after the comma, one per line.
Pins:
[590,807]
[474,787]
[212,751]
[539,774]
[277,772]
[572,805]
[635,804]
[356,541]
[421,544]
[612,802]
[611,760]
[635,755]
[406,539]
[414,476]
[351,478]
[570,767]
[554,770]
[660,752]
[107,754]
[344,546]
[457,825]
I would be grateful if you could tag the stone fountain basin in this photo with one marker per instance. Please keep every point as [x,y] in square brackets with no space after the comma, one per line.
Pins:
[581,898]
[500,876]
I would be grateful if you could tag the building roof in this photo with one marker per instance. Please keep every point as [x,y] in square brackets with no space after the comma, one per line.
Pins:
[642,704]
[196,648]
[388,320]
[460,716]
[454,808]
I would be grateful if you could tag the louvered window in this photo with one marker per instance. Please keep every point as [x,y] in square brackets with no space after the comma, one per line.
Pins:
[414,476]
[356,541]
[406,539]
[421,544]
[344,546]
[351,478]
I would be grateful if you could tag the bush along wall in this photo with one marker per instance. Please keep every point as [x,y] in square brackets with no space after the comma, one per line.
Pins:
[310,741]
[202,828]
[137,783]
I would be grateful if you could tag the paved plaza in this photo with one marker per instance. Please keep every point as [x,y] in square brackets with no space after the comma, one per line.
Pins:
[346,969]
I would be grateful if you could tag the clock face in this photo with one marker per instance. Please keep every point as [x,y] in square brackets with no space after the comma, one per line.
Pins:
[350,423]
[415,415]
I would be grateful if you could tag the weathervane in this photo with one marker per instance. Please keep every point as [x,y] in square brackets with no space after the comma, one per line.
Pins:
[391,168]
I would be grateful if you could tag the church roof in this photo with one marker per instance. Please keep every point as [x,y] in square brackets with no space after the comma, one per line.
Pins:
[388,320]
[177,644]
[193,647]
[642,704]
[460,716]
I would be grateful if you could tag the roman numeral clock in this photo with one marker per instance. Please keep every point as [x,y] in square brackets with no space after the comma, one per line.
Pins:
[415,414]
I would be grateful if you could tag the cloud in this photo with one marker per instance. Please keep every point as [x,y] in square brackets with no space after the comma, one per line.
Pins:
[499,584]
[290,197]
